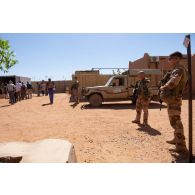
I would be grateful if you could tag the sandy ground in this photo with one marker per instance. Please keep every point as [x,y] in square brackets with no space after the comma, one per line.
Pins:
[103,134]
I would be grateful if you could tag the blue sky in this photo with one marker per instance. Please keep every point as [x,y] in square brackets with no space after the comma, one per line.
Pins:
[59,55]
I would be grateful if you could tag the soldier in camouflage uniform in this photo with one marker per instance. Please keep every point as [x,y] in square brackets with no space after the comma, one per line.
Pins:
[171,93]
[75,90]
[143,98]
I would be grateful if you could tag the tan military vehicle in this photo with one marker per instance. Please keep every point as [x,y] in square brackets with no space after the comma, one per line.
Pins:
[121,87]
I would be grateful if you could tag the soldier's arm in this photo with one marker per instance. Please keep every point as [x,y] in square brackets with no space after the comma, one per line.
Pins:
[136,85]
[72,86]
[148,83]
[175,79]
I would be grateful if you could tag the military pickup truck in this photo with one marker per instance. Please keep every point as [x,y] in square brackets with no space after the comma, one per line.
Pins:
[121,87]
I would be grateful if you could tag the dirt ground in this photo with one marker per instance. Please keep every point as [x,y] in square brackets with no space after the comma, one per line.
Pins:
[103,134]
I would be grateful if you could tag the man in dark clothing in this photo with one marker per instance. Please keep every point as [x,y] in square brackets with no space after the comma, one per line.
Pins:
[29,90]
[23,91]
[11,91]
[50,88]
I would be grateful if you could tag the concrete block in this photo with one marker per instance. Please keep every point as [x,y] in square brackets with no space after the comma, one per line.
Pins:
[43,151]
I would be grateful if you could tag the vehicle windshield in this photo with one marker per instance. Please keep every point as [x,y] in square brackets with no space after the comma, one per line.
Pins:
[109,81]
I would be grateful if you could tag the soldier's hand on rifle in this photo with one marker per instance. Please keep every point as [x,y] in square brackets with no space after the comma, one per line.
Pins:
[161,88]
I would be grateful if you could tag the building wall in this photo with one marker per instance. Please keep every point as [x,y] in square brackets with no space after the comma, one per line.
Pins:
[14,79]
[162,63]
[23,79]
[90,79]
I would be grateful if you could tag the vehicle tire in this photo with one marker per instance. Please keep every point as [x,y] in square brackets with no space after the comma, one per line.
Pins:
[95,100]
[155,98]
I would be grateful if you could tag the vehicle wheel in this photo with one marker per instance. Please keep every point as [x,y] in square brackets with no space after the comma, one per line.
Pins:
[155,98]
[95,100]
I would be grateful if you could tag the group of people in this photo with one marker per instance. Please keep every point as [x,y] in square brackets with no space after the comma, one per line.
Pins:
[41,88]
[171,92]
[20,91]
[16,92]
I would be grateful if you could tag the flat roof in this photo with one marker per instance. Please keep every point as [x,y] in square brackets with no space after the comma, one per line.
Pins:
[13,76]
[7,75]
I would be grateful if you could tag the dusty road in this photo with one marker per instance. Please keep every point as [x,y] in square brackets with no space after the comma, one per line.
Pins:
[103,134]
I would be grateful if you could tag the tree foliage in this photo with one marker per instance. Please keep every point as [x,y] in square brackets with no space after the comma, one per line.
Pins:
[7,57]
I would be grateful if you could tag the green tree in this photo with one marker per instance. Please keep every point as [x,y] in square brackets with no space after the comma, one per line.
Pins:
[7,57]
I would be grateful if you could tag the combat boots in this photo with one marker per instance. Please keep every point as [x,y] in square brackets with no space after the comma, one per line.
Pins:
[179,149]
[145,122]
[172,141]
[135,121]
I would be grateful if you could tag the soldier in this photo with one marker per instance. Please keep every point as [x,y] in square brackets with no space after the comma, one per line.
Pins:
[75,90]
[143,98]
[171,93]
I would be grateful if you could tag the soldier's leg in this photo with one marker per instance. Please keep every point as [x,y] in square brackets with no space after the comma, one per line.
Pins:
[145,104]
[77,97]
[174,112]
[138,110]
[73,95]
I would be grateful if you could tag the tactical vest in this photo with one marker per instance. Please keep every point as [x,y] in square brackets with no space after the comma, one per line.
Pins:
[171,95]
[75,85]
[178,91]
[142,85]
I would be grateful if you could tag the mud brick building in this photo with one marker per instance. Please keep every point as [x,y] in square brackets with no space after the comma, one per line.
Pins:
[161,62]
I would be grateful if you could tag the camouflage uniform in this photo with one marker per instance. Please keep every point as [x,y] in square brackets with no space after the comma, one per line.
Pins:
[173,90]
[143,100]
[75,91]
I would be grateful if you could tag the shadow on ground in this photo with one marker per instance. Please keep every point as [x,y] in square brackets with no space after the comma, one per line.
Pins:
[74,105]
[5,106]
[46,104]
[156,105]
[110,106]
[149,130]
[120,106]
